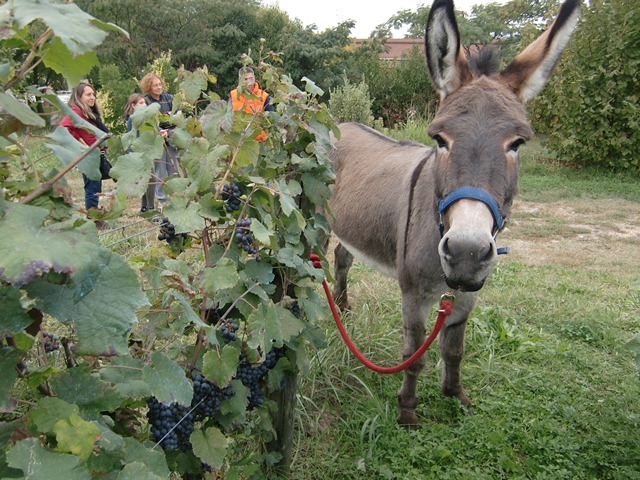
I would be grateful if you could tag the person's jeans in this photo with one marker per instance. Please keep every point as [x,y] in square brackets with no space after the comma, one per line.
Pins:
[91,189]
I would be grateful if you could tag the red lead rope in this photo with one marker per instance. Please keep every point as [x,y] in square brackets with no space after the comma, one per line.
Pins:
[446,307]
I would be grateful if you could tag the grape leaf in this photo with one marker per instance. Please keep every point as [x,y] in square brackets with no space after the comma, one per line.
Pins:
[20,111]
[217,118]
[220,366]
[49,411]
[78,386]
[203,168]
[167,380]
[125,373]
[311,87]
[39,463]
[289,257]
[290,324]
[15,318]
[210,446]
[78,30]
[221,277]
[109,440]
[133,172]
[193,84]
[28,249]
[185,218]
[153,459]
[260,272]
[9,358]
[248,153]
[137,471]
[235,408]
[70,65]
[68,149]
[264,328]
[76,436]
[261,233]
[101,303]
[315,189]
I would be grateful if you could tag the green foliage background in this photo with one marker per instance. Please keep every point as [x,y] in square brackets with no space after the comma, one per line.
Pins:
[591,109]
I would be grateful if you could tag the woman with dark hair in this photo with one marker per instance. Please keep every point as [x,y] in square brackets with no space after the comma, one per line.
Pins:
[83,102]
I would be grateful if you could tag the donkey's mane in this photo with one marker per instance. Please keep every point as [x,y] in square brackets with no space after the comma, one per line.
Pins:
[485,62]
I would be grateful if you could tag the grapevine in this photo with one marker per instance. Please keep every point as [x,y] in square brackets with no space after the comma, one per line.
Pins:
[135,372]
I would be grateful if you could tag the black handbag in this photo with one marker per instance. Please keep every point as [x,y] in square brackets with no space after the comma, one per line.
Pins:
[105,166]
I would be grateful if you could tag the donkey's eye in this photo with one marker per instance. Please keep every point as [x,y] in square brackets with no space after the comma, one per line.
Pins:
[440,141]
[515,145]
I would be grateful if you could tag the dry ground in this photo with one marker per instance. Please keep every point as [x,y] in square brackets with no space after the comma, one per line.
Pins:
[600,235]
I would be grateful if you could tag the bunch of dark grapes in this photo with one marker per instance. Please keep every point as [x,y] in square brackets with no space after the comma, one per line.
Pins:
[252,376]
[243,236]
[231,194]
[171,425]
[295,309]
[51,343]
[168,231]
[228,330]
[207,397]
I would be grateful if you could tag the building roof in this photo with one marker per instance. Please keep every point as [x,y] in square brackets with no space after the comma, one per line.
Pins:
[396,46]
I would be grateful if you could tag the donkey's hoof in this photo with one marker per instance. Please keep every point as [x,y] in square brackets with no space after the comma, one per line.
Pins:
[408,418]
[459,394]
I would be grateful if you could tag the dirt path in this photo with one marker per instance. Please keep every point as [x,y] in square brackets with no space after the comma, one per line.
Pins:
[602,235]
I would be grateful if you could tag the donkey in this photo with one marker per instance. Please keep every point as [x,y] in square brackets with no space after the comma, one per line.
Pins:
[429,216]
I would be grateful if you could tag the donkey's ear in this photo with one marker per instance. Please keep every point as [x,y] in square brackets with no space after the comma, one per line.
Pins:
[528,73]
[447,63]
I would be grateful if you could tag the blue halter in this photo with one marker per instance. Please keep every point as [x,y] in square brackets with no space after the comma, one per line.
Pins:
[473,194]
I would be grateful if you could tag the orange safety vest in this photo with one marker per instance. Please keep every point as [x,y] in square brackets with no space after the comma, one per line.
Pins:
[250,105]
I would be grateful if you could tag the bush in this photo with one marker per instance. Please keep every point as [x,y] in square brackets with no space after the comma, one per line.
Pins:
[400,89]
[591,109]
[351,103]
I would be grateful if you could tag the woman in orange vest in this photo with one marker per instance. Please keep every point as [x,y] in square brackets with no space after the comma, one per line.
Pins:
[258,101]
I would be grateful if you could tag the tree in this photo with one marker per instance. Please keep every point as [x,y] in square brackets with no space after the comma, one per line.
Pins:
[596,93]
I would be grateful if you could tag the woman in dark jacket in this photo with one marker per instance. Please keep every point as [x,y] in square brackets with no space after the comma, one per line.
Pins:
[83,102]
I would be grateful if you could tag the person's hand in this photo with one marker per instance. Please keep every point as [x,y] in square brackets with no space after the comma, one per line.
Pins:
[164,134]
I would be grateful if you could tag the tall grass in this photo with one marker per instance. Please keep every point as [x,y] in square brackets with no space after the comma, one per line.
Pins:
[556,393]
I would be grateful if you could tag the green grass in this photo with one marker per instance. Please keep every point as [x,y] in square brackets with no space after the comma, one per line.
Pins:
[556,393]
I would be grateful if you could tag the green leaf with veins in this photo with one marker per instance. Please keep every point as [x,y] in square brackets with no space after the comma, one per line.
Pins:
[77,436]
[210,446]
[153,459]
[101,303]
[68,149]
[221,277]
[219,366]
[185,217]
[49,411]
[72,66]
[20,111]
[133,172]
[78,386]
[167,380]
[40,463]
[15,318]
[28,249]
[265,329]
[9,358]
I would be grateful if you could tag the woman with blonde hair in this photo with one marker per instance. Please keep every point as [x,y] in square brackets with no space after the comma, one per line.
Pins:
[153,87]
[83,102]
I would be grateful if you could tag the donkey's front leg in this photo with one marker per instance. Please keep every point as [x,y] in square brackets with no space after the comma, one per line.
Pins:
[342,264]
[451,341]
[414,335]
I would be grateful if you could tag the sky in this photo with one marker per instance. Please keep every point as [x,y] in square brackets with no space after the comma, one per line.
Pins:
[367,14]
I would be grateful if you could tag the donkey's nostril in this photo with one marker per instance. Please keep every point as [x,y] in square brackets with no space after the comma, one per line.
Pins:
[486,253]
